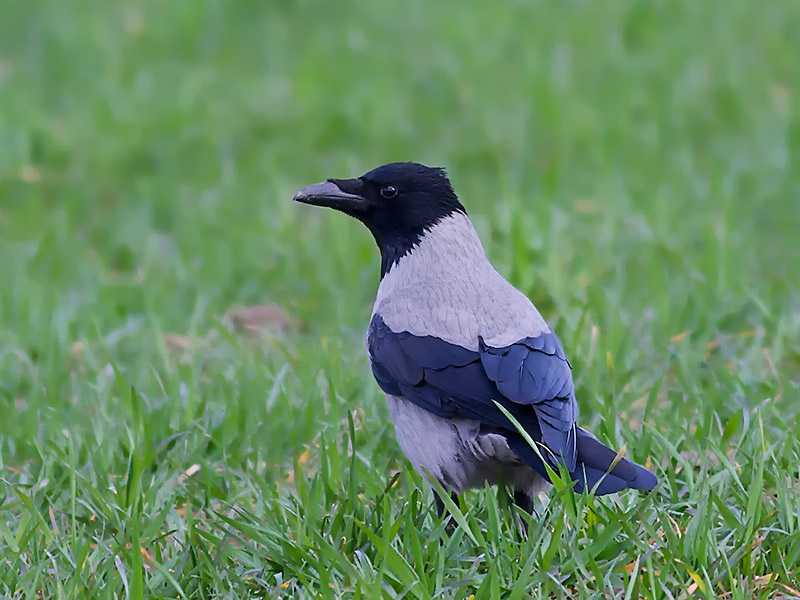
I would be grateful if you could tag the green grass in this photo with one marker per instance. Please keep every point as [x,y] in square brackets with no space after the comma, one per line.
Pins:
[632,166]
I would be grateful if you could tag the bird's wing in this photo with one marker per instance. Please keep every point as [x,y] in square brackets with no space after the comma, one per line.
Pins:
[536,372]
[531,378]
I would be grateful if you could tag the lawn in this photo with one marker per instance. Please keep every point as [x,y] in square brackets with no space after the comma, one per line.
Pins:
[634,167]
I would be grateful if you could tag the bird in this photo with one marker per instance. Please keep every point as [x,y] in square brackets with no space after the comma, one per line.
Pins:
[456,349]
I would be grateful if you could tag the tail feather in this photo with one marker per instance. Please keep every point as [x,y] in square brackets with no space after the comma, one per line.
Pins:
[594,460]
[592,468]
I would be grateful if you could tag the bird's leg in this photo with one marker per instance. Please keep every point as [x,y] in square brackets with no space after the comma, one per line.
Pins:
[524,500]
[442,511]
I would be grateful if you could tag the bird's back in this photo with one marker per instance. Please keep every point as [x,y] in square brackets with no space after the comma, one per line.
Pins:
[447,288]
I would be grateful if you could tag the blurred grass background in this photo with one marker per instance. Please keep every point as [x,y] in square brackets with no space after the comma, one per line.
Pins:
[632,166]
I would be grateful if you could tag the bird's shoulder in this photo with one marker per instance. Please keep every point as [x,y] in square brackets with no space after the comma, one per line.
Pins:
[459,306]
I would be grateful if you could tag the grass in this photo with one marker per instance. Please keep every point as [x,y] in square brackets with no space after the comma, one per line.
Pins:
[631,166]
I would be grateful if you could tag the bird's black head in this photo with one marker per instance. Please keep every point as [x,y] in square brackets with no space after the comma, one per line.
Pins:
[398,202]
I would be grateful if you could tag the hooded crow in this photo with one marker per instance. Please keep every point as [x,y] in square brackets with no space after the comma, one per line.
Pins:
[450,339]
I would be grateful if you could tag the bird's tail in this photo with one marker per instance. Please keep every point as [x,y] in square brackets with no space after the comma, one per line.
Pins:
[594,460]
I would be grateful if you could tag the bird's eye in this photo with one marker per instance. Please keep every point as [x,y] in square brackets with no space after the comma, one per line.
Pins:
[388,191]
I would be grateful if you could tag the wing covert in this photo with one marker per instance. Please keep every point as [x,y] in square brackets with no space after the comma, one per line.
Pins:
[530,378]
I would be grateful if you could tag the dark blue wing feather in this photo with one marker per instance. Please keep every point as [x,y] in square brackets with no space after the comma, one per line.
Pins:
[531,378]
[398,363]
[542,377]
[491,365]
[388,384]
[431,355]
[511,363]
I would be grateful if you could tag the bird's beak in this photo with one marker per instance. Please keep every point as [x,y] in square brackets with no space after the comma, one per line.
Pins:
[331,195]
